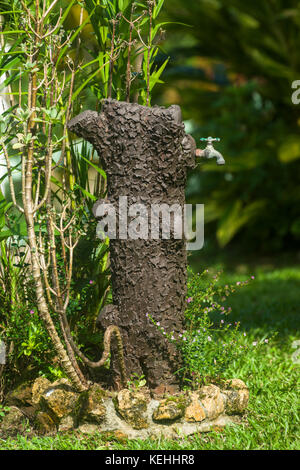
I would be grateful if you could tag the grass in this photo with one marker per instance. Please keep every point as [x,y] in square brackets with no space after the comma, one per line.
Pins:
[270,304]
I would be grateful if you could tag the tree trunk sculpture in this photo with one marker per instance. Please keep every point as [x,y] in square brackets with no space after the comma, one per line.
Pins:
[145,153]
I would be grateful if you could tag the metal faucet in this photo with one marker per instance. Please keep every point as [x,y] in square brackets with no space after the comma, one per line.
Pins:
[210,152]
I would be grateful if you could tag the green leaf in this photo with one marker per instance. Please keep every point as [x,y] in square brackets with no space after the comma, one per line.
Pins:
[18,145]
[71,3]
[4,207]
[10,79]
[123,4]
[87,20]
[156,75]
[264,61]
[157,8]
[84,84]
[15,31]
[290,149]
[87,193]
[235,218]
[99,170]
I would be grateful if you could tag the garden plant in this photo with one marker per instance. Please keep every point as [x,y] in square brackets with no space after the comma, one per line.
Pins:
[111,322]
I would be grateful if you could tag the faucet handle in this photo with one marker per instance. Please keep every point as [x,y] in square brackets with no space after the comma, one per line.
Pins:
[210,139]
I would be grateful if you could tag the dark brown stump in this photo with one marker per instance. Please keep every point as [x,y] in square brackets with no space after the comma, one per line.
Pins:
[145,153]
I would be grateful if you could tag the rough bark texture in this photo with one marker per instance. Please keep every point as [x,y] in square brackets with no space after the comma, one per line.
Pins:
[145,153]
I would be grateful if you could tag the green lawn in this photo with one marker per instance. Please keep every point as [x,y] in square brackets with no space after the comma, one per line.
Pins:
[270,304]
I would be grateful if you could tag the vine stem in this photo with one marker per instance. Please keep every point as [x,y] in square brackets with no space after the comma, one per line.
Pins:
[150,5]
[109,332]
[111,59]
[128,72]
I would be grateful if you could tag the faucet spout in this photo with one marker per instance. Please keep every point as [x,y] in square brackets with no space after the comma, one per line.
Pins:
[213,153]
[210,152]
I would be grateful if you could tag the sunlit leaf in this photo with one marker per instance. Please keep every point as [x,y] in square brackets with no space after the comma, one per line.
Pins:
[290,149]
[236,217]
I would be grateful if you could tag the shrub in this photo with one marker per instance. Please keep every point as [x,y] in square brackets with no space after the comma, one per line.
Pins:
[209,342]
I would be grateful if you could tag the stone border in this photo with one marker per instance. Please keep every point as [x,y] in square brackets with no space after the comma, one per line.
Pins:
[133,414]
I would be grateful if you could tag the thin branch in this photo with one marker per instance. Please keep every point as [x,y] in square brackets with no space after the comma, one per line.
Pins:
[131,23]
[37,194]
[111,60]
[49,9]
[69,278]
[47,170]
[34,32]
[62,86]
[128,71]
[54,28]
[150,6]
[10,178]
[141,39]
[59,300]
[28,11]
[69,105]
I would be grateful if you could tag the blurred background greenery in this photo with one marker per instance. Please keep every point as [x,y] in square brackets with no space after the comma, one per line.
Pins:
[231,68]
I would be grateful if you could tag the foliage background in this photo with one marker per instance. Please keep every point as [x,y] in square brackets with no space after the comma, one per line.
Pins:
[231,70]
